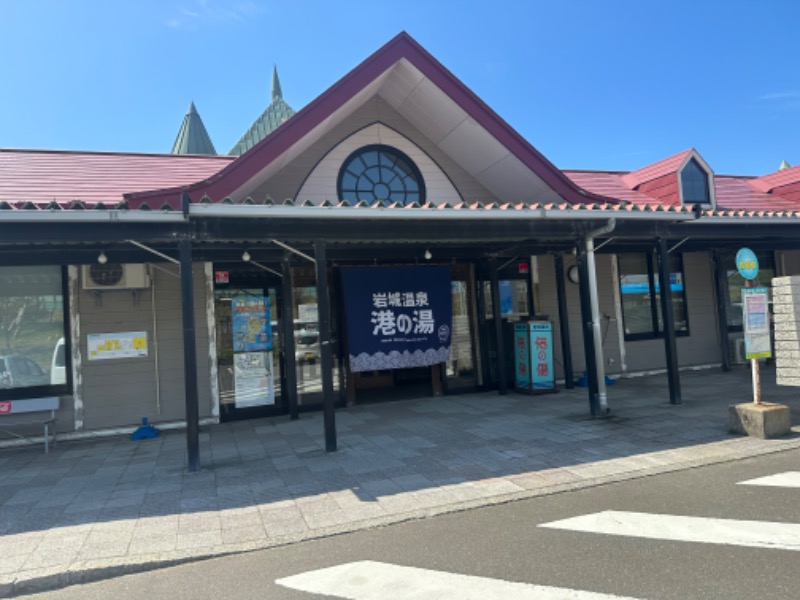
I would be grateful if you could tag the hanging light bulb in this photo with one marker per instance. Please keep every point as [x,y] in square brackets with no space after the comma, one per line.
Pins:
[102,258]
[428,254]
[246,256]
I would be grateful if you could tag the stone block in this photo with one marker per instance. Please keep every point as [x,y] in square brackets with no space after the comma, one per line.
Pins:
[765,420]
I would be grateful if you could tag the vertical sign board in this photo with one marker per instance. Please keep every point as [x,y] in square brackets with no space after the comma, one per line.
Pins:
[756,323]
[254,380]
[533,354]
[542,355]
[522,353]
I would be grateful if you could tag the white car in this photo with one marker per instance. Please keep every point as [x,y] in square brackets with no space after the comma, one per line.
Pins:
[58,370]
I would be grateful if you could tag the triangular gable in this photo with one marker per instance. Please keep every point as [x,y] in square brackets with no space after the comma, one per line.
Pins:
[289,139]
[784,183]
[656,170]
[661,180]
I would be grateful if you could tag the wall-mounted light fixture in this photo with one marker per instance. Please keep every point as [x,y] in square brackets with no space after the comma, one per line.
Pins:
[246,256]
[102,258]
[428,254]
[572,274]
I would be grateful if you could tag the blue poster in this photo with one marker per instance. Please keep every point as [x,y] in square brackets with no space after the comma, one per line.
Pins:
[397,317]
[252,329]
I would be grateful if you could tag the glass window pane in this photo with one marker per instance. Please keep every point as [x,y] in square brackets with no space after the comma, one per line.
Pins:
[381,172]
[31,326]
[676,283]
[637,313]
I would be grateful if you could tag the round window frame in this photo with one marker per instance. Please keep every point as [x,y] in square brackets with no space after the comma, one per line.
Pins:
[398,155]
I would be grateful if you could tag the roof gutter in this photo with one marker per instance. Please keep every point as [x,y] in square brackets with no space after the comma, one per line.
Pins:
[594,303]
[232,211]
[89,216]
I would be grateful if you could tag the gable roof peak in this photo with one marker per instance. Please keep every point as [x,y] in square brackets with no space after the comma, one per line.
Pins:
[666,166]
[192,137]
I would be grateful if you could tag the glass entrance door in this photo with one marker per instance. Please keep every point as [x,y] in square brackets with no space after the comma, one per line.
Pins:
[461,370]
[248,352]
[514,307]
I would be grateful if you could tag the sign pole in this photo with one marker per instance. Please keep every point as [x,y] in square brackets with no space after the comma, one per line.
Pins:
[754,366]
[755,307]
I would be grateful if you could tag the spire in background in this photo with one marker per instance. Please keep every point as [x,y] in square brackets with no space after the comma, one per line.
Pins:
[784,165]
[192,136]
[277,94]
[272,117]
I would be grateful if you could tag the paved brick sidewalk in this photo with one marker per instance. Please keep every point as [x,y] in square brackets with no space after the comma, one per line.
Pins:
[99,508]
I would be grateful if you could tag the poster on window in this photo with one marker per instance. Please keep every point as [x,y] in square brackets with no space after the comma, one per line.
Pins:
[254,384]
[397,317]
[755,305]
[252,329]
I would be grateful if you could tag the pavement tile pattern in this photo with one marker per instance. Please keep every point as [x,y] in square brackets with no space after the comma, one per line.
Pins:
[103,507]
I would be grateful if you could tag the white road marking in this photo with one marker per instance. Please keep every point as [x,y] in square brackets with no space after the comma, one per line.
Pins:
[369,580]
[757,534]
[790,479]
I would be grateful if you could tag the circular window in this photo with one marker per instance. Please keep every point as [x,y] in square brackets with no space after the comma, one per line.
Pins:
[380,173]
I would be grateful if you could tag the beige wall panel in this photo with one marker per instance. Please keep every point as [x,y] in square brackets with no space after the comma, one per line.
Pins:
[118,393]
[608,325]
[701,346]
[288,182]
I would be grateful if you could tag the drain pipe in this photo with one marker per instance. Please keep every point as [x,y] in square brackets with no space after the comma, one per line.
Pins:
[589,238]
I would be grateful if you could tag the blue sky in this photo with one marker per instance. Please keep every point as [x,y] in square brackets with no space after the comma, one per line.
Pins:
[591,84]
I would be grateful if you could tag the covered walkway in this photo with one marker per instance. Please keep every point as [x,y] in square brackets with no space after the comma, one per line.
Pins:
[97,508]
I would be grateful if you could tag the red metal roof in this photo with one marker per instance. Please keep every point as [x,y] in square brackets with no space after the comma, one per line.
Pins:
[785,177]
[656,170]
[732,193]
[41,176]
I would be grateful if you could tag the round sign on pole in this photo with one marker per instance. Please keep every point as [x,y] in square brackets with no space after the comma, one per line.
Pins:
[747,263]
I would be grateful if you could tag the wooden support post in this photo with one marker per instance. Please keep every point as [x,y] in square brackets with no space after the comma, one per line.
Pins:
[326,351]
[189,358]
[668,322]
[502,382]
[289,362]
[720,285]
[563,323]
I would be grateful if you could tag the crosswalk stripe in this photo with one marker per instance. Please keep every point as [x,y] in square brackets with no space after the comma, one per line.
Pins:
[370,580]
[757,534]
[790,479]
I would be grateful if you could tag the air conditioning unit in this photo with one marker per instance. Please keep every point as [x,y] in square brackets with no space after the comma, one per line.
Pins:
[738,356]
[115,276]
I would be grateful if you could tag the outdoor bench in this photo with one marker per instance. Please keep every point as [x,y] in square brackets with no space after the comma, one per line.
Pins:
[29,407]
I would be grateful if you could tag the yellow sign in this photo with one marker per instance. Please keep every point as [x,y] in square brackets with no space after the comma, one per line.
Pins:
[129,344]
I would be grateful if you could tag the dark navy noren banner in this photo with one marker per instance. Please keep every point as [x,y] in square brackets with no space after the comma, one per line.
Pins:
[397,317]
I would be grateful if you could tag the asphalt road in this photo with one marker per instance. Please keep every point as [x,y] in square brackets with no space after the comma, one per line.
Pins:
[507,543]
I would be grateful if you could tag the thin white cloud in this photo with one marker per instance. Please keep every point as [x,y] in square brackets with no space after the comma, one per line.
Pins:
[789,95]
[197,13]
